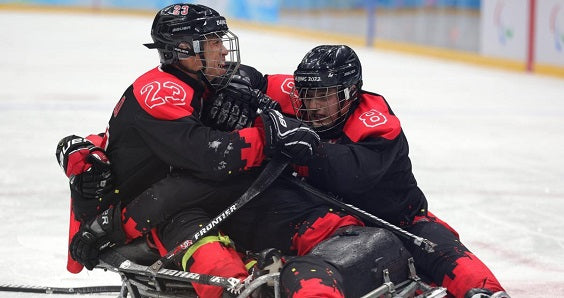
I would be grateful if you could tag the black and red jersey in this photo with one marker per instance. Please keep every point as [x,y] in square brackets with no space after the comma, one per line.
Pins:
[156,126]
[368,166]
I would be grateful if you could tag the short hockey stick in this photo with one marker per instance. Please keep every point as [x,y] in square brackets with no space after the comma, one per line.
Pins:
[425,244]
[54,290]
[272,170]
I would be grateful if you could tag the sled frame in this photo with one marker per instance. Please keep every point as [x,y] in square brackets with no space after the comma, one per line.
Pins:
[140,286]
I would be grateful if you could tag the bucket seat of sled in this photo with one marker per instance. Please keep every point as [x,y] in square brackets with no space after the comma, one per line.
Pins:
[361,254]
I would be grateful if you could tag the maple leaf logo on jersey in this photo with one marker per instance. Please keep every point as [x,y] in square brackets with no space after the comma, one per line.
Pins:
[373,118]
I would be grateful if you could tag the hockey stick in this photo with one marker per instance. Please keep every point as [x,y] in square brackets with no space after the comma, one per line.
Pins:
[425,244]
[113,260]
[272,170]
[54,290]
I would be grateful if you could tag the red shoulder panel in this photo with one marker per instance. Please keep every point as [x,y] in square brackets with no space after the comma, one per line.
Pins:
[372,118]
[163,95]
[279,88]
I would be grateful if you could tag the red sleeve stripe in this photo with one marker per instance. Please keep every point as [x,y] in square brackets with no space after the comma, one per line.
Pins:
[254,154]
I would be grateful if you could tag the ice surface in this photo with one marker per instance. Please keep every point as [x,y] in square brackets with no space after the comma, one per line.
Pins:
[486,144]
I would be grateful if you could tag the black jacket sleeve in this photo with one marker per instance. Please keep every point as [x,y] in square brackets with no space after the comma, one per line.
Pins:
[354,168]
[211,154]
[374,175]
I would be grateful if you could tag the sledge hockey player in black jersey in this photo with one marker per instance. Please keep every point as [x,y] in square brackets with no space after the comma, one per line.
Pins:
[332,125]
[364,160]
[172,173]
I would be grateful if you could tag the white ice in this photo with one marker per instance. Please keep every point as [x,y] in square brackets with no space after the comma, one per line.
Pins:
[486,145]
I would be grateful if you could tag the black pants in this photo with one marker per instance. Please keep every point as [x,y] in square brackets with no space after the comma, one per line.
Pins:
[282,217]
[451,265]
[179,205]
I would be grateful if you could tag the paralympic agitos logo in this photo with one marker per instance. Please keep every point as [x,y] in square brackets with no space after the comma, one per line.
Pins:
[556,24]
[504,31]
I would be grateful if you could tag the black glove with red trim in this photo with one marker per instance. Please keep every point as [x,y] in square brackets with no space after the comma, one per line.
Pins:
[105,230]
[88,169]
[288,136]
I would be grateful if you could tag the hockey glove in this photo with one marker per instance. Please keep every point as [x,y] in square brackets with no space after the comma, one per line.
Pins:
[236,106]
[89,175]
[104,231]
[86,165]
[248,78]
[288,136]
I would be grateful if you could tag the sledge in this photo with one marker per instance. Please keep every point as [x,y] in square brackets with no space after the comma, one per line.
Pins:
[372,260]
[390,268]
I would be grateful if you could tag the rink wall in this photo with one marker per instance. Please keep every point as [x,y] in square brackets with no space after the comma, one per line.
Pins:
[522,35]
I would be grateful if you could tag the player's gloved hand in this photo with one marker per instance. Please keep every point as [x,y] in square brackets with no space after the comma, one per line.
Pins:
[104,231]
[249,78]
[86,165]
[230,109]
[84,250]
[288,136]
[264,102]
[236,106]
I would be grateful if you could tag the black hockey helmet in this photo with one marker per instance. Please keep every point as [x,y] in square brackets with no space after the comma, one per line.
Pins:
[327,71]
[180,31]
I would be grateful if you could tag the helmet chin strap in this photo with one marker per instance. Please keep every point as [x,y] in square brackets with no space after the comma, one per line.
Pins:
[196,49]
[200,72]
[186,69]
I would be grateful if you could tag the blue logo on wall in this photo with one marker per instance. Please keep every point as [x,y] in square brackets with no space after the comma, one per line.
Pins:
[256,10]
[504,32]
[557,27]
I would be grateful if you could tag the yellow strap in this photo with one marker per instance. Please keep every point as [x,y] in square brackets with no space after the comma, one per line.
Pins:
[208,239]
[250,264]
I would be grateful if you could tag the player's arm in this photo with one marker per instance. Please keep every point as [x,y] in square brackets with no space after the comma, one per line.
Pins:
[352,169]
[214,154]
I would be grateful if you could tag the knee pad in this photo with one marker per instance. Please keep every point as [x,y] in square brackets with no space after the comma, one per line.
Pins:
[361,254]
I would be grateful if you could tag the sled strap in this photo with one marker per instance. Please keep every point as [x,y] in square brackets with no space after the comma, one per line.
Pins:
[208,239]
